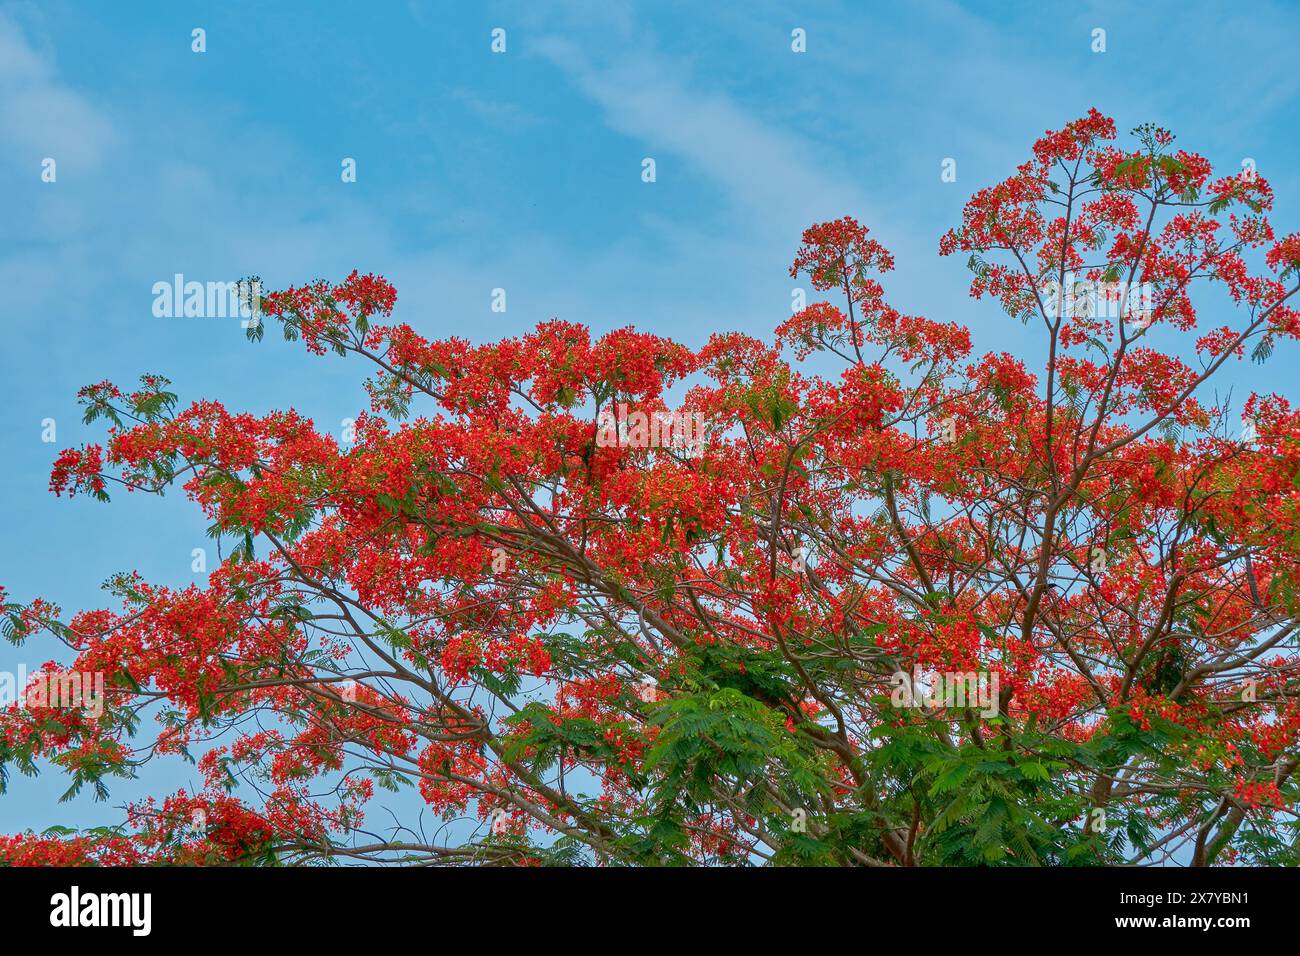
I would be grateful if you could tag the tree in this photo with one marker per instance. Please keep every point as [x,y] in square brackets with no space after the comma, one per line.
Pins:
[918,608]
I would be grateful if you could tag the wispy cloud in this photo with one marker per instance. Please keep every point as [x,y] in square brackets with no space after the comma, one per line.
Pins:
[39,116]
[768,173]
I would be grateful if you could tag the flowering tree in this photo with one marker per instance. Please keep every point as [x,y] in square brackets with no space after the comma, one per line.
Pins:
[922,609]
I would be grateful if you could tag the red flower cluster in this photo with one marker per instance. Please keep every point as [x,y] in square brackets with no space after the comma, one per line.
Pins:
[711,638]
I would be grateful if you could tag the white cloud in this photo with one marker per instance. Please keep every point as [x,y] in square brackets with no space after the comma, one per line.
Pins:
[39,117]
[769,173]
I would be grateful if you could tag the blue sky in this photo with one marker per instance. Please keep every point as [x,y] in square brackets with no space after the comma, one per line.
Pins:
[519,171]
